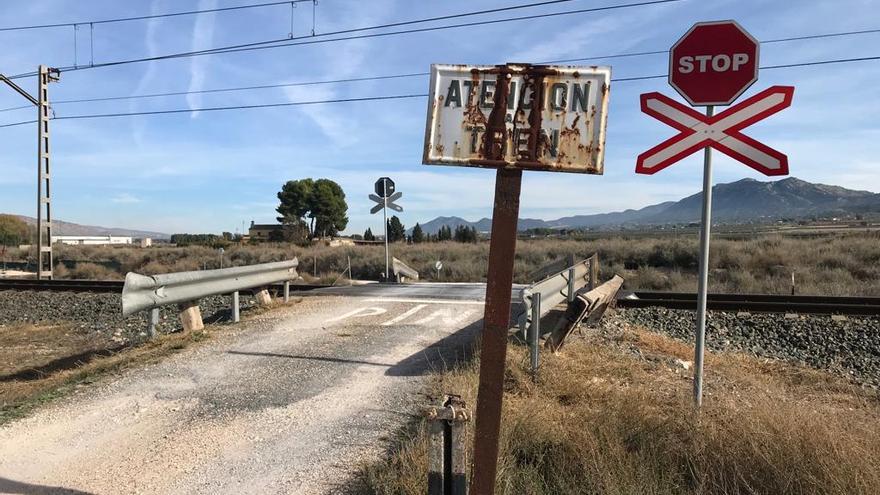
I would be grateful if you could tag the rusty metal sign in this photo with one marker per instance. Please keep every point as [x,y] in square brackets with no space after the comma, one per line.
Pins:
[529,117]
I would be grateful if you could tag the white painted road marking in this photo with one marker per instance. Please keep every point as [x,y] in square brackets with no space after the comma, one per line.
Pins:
[425,301]
[372,311]
[447,316]
[404,315]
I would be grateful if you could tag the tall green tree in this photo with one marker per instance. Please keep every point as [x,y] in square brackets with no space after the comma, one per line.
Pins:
[368,235]
[418,235]
[444,234]
[396,230]
[463,233]
[319,204]
[13,231]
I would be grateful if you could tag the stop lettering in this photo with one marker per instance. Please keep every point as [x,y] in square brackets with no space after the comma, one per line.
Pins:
[713,63]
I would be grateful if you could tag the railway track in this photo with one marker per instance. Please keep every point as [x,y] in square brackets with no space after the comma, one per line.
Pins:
[96,286]
[62,285]
[766,303]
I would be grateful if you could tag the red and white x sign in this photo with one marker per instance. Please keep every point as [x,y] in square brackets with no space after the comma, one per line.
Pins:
[721,131]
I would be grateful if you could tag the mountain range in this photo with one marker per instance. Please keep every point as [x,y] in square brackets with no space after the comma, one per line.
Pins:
[60,227]
[741,202]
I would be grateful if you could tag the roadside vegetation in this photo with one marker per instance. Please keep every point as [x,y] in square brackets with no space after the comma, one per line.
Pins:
[612,414]
[837,264]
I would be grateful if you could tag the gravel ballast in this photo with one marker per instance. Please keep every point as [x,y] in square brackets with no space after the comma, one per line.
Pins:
[847,345]
[101,313]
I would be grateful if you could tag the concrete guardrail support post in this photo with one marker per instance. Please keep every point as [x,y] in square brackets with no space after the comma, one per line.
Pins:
[263,298]
[191,316]
[286,291]
[236,307]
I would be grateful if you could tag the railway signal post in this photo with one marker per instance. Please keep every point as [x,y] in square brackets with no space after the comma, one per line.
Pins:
[385,198]
[713,64]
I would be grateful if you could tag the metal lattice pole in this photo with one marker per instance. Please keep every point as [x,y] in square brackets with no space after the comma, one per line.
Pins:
[44,206]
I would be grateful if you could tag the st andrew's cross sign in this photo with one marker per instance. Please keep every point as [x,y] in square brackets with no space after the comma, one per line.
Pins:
[713,64]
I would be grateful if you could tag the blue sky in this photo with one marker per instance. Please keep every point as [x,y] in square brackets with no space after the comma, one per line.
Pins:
[209,172]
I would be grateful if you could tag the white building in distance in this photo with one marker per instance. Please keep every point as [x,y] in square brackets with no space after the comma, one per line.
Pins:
[91,240]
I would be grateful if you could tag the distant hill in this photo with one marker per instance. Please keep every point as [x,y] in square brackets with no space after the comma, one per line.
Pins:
[743,201]
[61,227]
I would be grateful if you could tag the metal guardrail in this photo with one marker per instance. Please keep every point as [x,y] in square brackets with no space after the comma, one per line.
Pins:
[143,292]
[559,287]
[401,270]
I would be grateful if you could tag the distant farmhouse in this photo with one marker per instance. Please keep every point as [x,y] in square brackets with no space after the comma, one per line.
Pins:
[264,231]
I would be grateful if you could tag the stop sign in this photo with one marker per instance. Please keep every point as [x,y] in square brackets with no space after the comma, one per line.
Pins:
[713,63]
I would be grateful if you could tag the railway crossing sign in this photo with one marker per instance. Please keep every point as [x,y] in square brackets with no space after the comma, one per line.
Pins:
[721,131]
[384,187]
[713,63]
[385,198]
[386,202]
[511,117]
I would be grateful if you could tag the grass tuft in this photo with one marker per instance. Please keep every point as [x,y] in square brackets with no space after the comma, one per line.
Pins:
[614,416]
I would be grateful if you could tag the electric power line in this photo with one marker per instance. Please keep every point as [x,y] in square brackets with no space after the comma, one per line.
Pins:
[153,16]
[391,97]
[299,41]
[417,74]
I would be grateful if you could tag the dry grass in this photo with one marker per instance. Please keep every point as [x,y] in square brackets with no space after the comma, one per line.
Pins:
[835,264]
[614,416]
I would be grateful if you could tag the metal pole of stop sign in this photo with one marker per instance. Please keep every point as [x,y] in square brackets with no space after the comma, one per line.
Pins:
[703,283]
[385,220]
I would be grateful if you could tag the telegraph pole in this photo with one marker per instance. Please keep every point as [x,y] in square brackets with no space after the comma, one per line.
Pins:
[45,75]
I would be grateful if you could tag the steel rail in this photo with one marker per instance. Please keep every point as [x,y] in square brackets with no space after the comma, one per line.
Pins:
[762,303]
[100,286]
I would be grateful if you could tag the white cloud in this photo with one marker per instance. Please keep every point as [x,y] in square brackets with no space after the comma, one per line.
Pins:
[125,198]
[203,37]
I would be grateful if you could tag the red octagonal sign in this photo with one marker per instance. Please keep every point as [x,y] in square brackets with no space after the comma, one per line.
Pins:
[713,63]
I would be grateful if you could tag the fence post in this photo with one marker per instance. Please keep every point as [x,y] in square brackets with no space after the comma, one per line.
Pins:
[236,307]
[571,284]
[447,456]
[153,322]
[287,291]
[535,333]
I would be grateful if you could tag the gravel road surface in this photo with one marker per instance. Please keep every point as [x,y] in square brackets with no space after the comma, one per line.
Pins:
[289,401]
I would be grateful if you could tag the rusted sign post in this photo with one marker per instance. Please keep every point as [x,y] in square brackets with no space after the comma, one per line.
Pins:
[511,117]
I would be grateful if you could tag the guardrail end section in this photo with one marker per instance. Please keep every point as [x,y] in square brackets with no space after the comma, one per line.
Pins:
[134,295]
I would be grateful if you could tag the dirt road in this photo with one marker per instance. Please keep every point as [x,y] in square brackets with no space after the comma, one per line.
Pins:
[288,402]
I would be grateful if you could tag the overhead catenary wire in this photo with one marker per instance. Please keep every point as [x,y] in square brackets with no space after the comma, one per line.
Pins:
[418,74]
[150,16]
[309,40]
[389,97]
